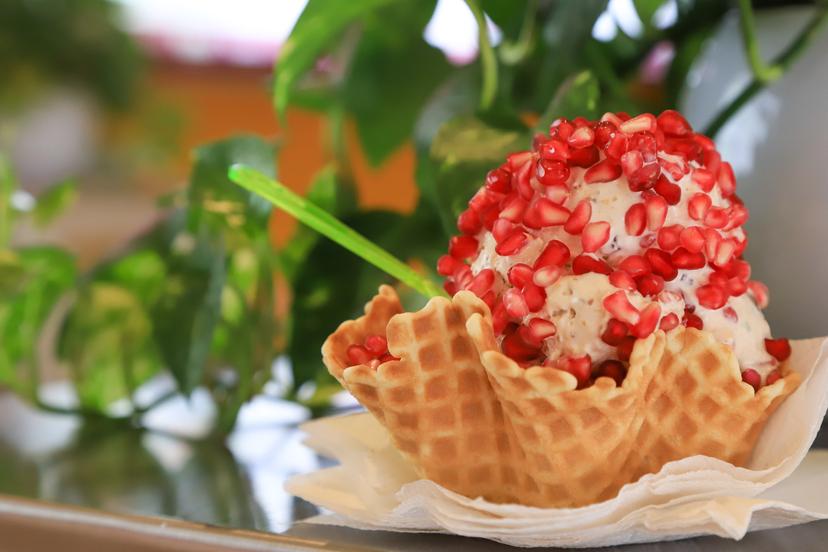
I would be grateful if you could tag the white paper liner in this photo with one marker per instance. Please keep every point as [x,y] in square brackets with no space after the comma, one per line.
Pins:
[374,487]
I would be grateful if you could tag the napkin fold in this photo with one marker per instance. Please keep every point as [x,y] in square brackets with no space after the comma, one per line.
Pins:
[374,487]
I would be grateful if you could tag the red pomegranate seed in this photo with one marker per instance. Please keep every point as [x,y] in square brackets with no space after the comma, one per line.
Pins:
[582,137]
[666,189]
[730,314]
[515,304]
[711,296]
[727,180]
[609,117]
[500,318]
[447,265]
[603,171]
[357,354]
[469,222]
[376,345]
[595,235]
[463,277]
[649,284]
[512,244]
[752,378]
[541,329]
[616,147]
[661,263]
[692,239]
[556,253]
[556,194]
[522,180]
[692,320]
[499,180]
[554,150]
[635,219]
[519,275]
[612,369]
[579,218]
[675,168]
[562,128]
[724,252]
[513,209]
[543,213]
[704,179]
[489,216]
[502,229]
[490,299]
[712,239]
[585,157]
[625,348]
[619,306]
[737,268]
[580,367]
[698,206]
[718,278]
[519,159]
[614,333]
[631,162]
[551,172]
[656,211]
[451,287]
[669,237]
[759,291]
[705,143]
[483,282]
[583,264]
[462,247]
[737,216]
[648,321]
[644,142]
[644,178]
[517,349]
[712,161]
[635,265]
[736,287]
[716,217]
[535,297]
[669,322]
[387,357]
[773,377]
[645,122]
[687,260]
[673,124]
[548,275]
[780,349]
[622,280]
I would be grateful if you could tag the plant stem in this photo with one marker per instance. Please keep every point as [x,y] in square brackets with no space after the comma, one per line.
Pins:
[7,187]
[766,74]
[330,227]
[512,53]
[487,57]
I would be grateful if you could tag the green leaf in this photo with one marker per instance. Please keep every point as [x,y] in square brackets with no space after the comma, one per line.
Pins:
[577,96]
[54,202]
[107,342]
[316,31]
[392,75]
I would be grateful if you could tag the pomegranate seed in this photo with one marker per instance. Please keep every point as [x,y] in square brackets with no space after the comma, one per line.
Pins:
[582,137]
[522,180]
[583,264]
[619,306]
[462,247]
[661,263]
[515,304]
[705,143]
[649,284]
[635,265]
[584,158]
[730,314]
[612,118]
[780,349]
[580,367]
[645,122]
[669,191]
[483,282]
[489,216]
[673,124]
[595,235]
[692,320]
[447,265]
[711,296]
[541,329]
[612,369]
[712,239]
[631,162]
[724,252]
[692,239]
[463,277]
[500,318]
[738,268]
[513,209]
[551,173]
[556,194]
[451,287]
[704,179]
[645,143]
[469,222]
[648,321]
[512,244]
[752,378]
[548,275]
[635,219]
[716,217]
[535,297]
[644,178]
[737,216]
[669,237]
[736,287]
[519,275]
[656,211]
[387,357]
[759,291]
[490,299]
[499,180]
[625,348]
[556,253]
[616,147]
[543,213]
[718,278]
[773,377]
[669,322]
[554,150]
[603,171]
[502,229]
[376,345]
[614,333]
[712,160]
[622,280]
[357,354]
[687,260]
[579,218]
[519,159]
[676,169]
[517,349]
[698,206]
[727,180]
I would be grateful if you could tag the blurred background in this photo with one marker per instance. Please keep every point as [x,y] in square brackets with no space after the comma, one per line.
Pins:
[156,320]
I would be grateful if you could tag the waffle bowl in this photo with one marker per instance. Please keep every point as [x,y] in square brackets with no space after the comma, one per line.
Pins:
[471,420]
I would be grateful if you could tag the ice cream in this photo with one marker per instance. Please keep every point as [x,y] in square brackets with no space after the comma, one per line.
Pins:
[605,232]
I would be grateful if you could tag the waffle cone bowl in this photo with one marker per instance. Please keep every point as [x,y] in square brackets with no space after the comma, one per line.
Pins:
[475,422]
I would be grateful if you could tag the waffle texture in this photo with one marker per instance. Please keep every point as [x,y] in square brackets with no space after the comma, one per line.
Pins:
[474,421]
